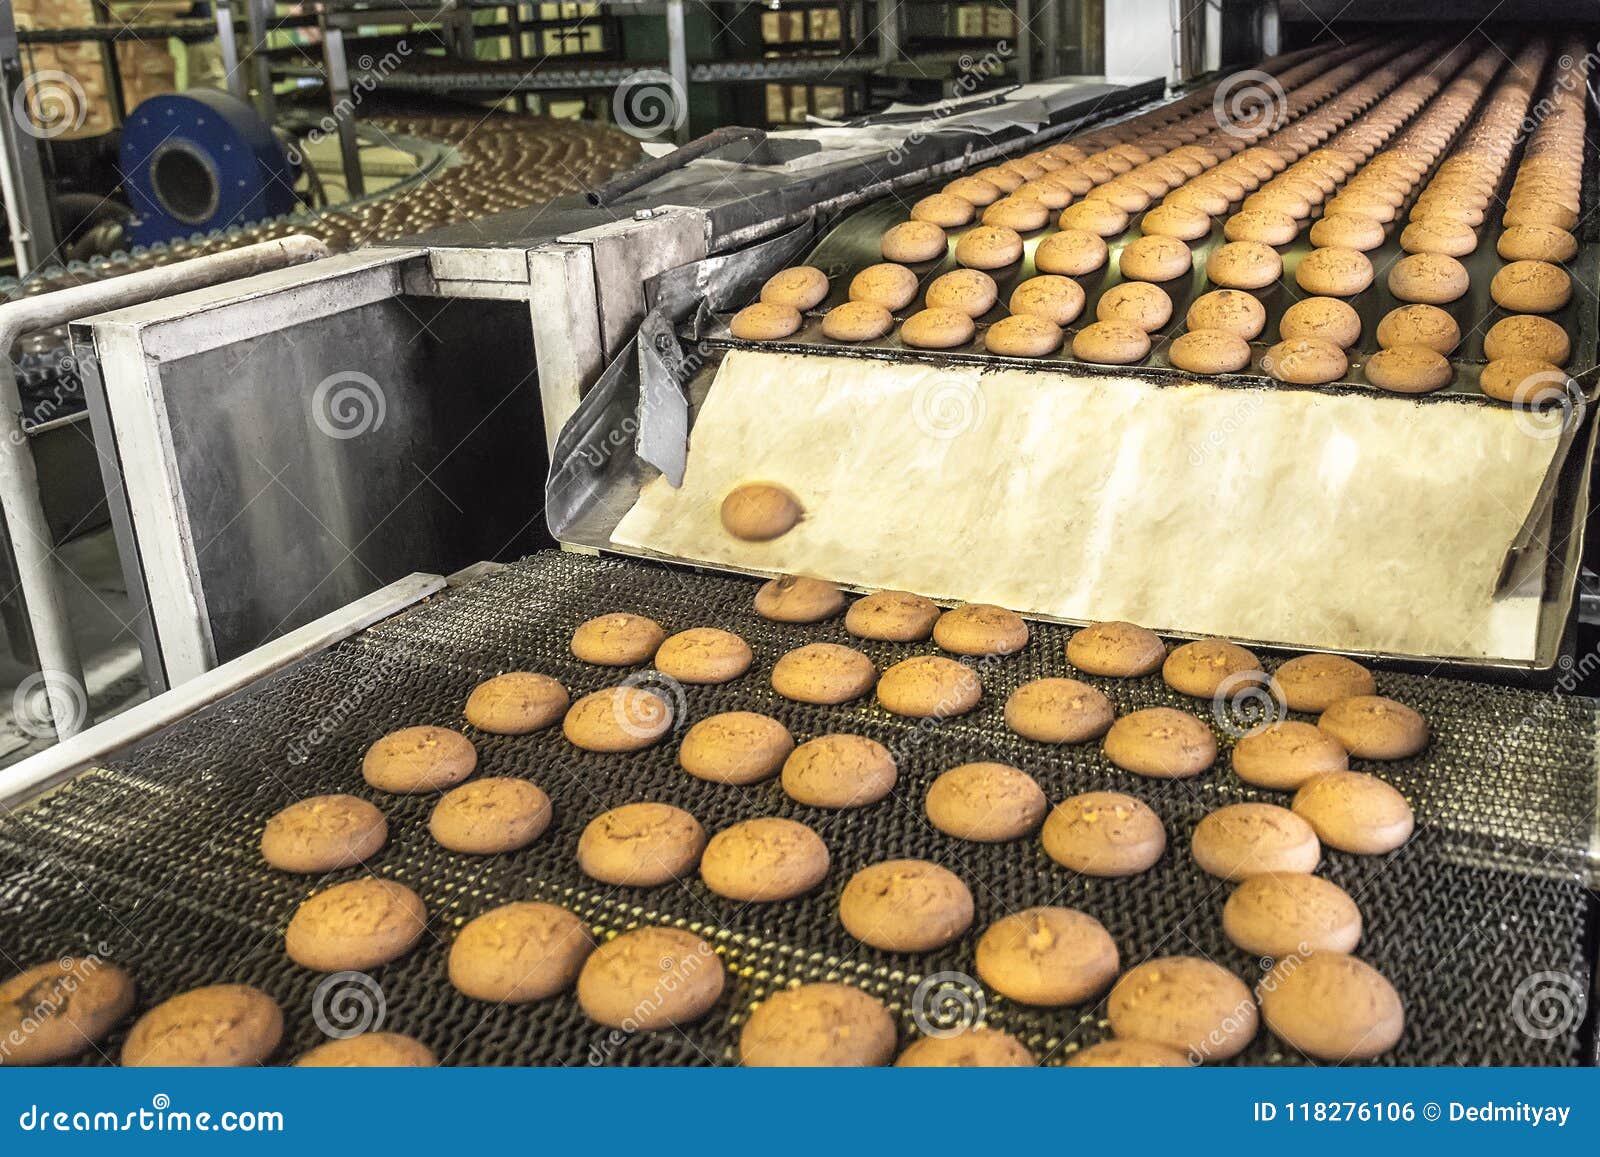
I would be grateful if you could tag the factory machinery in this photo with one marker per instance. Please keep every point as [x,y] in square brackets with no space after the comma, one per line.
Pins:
[1451,532]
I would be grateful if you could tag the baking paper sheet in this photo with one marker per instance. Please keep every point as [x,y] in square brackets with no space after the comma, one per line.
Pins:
[1335,521]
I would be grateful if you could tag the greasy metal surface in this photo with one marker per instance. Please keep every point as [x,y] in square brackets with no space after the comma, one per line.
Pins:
[153,861]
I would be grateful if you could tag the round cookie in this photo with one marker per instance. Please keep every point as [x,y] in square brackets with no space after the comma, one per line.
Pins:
[623,640]
[892,617]
[1022,336]
[1154,258]
[1049,298]
[414,760]
[1525,335]
[765,322]
[1161,743]
[905,906]
[1333,1007]
[1321,319]
[857,321]
[641,845]
[519,953]
[1246,839]
[1021,214]
[1230,310]
[1334,272]
[1121,650]
[517,703]
[1316,682]
[1372,727]
[1058,711]
[649,979]
[764,860]
[1280,915]
[1104,833]
[1531,287]
[818,1025]
[1182,222]
[1284,754]
[793,599]
[1423,325]
[1111,343]
[1347,231]
[369,1050]
[937,329]
[704,655]
[1431,278]
[1537,243]
[912,242]
[945,210]
[839,771]
[985,802]
[355,926]
[322,834]
[1267,226]
[219,1025]
[1244,265]
[1305,361]
[974,190]
[1128,1054]
[1070,253]
[1355,812]
[1209,351]
[981,629]
[801,287]
[1524,381]
[1101,218]
[1186,1003]
[1439,235]
[1136,303]
[58,1009]
[1207,667]
[929,687]
[1408,369]
[971,1048]
[1047,957]
[888,285]
[967,291]
[738,747]
[989,247]
[618,719]
[823,673]
[488,816]
[752,512]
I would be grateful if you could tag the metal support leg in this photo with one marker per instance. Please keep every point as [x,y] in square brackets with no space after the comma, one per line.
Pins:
[261,15]
[33,231]
[888,31]
[337,69]
[1271,38]
[1050,33]
[228,46]
[1025,41]
[678,64]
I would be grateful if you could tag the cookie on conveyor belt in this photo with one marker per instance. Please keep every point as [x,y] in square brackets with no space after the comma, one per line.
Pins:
[801,286]
[489,816]
[1333,1007]
[1154,258]
[981,629]
[61,1008]
[1161,743]
[1324,319]
[892,287]
[818,1025]
[1047,957]
[369,1050]
[1408,369]
[739,747]
[1208,667]
[641,845]
[618,719]
[1209,351]
[1334,272]
[1111,343]
[220,1025]
[764,860]
[1284,754]
[1355,812]
[905,906]
[764,321]
[892,617]
[517,703]
[985,802]
[753,512]
[1136,303]
[703,655]
[1128,1054]
[1433,278]
[1316,682]
[945,210]
[1049,297]
[794,599]
[857,321]
[519,953]
[617,640]
[1180,221]
[414,760]
[937,329]
[1118,649]
[1375,727]
[1244,265]
[650,979]
[1293,914]
[1305,362]
[323,833]
[929,687]
[989,247]
[970,1048]
[1268,226]
[1231,310]
[1186,1003]
[823,673]
[1531,287]
[1246,839]
[1424,325]
[1104,833]
[1526,382]
[1439,235]
[966,291]
[1070,253]
[356,925]
[1526,335]
[1022,336]
[1058,711]
[974,190]
[913,242]
[1347,231]
[1537,243]
[839,771]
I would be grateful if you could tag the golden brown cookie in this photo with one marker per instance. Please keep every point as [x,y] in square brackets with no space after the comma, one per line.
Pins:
[823,673]
[1136,303]
[1128,1054]
[322,834]
[641,845]
[968,291]
[1284,754]
[1333,1007]
[1524,381]
[704,655]
[58,1009]
[1432,278]
[753,512]
[650,979]
[1321,319]
[929,687]
[1047,957]
[892,617]
[356,926]
[1154,258]
[1423,325]
[985,802]
[763,860]
[1373,727]
[888,285]
[1070,253]
[1246,839]
[623,640]
[912,242]
[1113,343]
[1291,915]
[981,629]
[818,1025]
[1531,287]
[1347,231]
[519,953]
[1231,310]
[1208,667]
[1049,298]
[1182,222]
[1121,650]
[1018,213]
[1355,812]
[1408,369]
[792,599]
[801,287]
[1209,351]
[517,703]
[1525,335]
[1023,336]
[937,329]
[419,759]
[839,771]
[1334,272]
[765,322]
[945,210]
[219,1025]
[1267,226]
[971,1048]
[1161,743]
[488,816]
[1244,265]
[1316,682]
[618,719]
[739,747]
[989,247]
[905,906]
[974,190]
[1058,711]
[1305,361]
[857,321]
[1100,218]
[1439,235]
[1537,243]
[1186,1003]
[369,1050]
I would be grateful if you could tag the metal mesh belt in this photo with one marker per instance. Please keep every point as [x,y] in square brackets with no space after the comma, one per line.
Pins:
[153,861]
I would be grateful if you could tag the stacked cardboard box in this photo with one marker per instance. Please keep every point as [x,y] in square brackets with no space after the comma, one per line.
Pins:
[69,89]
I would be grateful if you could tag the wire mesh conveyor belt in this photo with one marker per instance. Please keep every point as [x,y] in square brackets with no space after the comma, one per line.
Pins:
[153,860]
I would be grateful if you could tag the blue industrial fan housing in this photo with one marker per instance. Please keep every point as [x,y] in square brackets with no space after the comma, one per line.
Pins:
[202,160]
